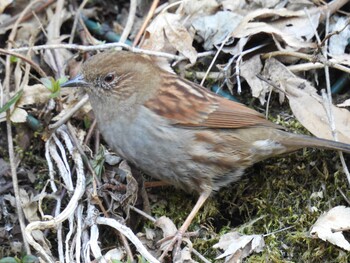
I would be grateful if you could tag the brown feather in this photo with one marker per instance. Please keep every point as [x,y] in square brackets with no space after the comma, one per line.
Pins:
[201,108]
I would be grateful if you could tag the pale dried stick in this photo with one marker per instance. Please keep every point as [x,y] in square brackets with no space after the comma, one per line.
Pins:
[79,216]
[328,102]
[69,235]
[145,23]
[215,57]
[62,164]
[76,19]
[70,113]
[313,65]
[129,234]
[84,48]
[50,166]
[129,22]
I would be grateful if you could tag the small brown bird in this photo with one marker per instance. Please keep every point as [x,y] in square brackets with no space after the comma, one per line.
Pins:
[177,131]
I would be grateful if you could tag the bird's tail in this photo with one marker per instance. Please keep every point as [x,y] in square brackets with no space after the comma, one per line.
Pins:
[301,141]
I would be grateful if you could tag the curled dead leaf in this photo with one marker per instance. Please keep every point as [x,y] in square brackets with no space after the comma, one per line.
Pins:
[237,247]
[330,226]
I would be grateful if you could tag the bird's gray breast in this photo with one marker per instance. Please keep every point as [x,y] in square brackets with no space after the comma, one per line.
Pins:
[151,144]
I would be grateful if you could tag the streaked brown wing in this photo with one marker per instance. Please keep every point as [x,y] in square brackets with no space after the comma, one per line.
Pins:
[201,108]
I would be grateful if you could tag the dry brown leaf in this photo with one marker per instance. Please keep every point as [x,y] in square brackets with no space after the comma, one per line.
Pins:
[56,59]
[36,94]
[26,31]
[180,38]
[248,70]
[168,227]
[150,233]
[329,226]
[338,42]
[4,168]
[199,7]
[293,27]
[4,4]
[213,29]
[19,115]
[346,103]
[115,254]
[307,106]
[169,230]
[29,205]
[235,5]
[238,247]
[168,34]
[184,256]
[71,97]
[155,38]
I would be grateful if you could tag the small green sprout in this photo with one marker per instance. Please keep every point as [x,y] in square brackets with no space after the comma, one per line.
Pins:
[14,59]
[53,85]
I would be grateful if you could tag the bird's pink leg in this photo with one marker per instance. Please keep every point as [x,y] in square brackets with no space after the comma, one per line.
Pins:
[182,230]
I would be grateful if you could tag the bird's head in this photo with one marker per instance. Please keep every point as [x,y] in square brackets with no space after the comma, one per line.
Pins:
[117,74]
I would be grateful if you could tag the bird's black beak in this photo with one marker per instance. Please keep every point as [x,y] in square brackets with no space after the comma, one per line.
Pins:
[77,81]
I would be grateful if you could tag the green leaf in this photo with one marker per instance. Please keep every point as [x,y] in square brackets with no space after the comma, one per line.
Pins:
[8,260]
[54,95]
[87,122]
[12,101]
[62,80]
[47,82]
[53,85]
[29,259]
[13,59]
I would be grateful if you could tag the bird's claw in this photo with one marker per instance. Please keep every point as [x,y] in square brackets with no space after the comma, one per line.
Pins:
[173,243]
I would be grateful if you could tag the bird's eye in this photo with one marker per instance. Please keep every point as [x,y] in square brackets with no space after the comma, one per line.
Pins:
[109,78]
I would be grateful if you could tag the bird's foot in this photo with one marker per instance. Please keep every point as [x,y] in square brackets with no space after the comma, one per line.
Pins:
[173,243]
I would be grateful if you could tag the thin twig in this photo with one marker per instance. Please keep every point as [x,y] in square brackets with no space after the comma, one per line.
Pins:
[90,131]
[100,47]
[331,62]
[268,104]
[240,58]
[288,53]
[76,19]
[129,22]
[199,255]
[329,109]
[145,23]
[110,46]
[129,234]
[24,58]
[70,113]
[215,57]
[278,231]
[149,217]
